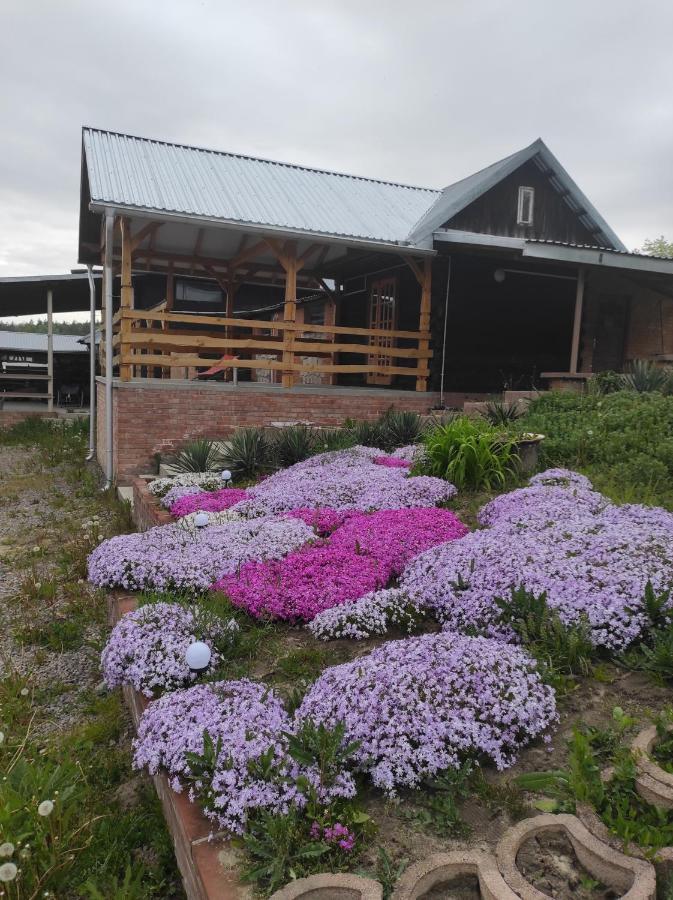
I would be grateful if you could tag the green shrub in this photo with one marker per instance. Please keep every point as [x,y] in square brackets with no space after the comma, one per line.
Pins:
[293,444]
[470,453]
[502,414]
[645,376]
[247,453]
[197,456]
[401,428]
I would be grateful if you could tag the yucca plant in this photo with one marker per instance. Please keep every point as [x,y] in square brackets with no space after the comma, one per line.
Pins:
[368,434]
[400,428]
[497,412]
[645,376]
[247,453]
[470,453]
[293,444]
[197,456]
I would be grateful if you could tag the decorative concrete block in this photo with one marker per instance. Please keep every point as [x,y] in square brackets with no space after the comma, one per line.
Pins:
[653,783]
[330,887]
[442,867]
[633,878]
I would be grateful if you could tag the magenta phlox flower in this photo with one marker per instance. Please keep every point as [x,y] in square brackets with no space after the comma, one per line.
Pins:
[208,501]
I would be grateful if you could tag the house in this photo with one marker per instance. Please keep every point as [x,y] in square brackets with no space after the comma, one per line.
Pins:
[417,296]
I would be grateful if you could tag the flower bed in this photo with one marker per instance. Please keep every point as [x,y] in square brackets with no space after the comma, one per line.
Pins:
[372,614]
[360,556]
[591,558]
[172,557]
[147,647]
[344,480]
[419,705]
[207,501]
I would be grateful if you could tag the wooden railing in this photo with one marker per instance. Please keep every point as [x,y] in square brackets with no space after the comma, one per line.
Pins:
[145,339]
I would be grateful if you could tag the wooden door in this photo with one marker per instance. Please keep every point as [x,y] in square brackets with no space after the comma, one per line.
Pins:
[610,333]
[382,316]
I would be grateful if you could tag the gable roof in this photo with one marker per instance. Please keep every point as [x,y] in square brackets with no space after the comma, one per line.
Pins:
[153,175]
[134,173]
[456,197]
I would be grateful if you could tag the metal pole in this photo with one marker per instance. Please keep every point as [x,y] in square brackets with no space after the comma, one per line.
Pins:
[577,322]
[50,350]
[446,316]
[92,365]
[107,277]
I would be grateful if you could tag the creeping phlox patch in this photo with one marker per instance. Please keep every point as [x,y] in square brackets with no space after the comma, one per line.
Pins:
[360,556]
[248,767]
[419,705]
[372,614]
[344,480]
[173,557]
[205,481]
[147,647]
[593,559]
[207,501]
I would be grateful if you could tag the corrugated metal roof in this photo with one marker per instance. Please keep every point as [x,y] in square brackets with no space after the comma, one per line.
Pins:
[153,175]
[37,342]
[597,247]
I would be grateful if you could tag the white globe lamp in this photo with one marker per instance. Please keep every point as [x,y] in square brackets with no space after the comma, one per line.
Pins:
[201,519]
[198,656]
[226,475]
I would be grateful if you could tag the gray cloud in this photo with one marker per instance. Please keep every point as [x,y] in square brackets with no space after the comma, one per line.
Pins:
[423,92]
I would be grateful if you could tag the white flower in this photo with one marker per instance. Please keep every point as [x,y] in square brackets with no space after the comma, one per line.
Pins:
[8,872]
[2,737]
[6,849]
[24,692]
[36,549]
[45,808]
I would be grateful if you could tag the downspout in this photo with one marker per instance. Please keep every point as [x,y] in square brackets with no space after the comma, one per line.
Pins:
[92,365]
[446,316]
[107,281]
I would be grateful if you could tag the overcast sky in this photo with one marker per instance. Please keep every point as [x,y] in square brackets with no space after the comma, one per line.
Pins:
[423,92]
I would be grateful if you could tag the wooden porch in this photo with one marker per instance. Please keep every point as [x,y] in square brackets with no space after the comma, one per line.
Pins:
[160,342]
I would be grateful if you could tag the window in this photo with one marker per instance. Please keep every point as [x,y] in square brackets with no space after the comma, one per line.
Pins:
[199,292]
[524,212]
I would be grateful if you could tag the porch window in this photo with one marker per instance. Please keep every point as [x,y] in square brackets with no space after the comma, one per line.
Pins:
[524,212]
[197,292]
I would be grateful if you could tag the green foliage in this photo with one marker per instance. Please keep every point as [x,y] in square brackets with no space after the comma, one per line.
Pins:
[369,434]
[293,444]
[563,652]
[400,428]
[616,801]
[662,751]
[57,634]
[39,326]
[247,453]
[282,848]
[644,376]
[502,414]
[470,453]
[388,872]
[658,247]
[197,456]
[307,662]
[435,805]
[623,441]
[605,382]
[654,654]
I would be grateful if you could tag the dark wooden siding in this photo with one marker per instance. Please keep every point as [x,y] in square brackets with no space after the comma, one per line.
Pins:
[495,212]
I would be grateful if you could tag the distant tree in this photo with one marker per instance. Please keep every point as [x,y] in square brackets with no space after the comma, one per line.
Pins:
[658,247]
[40,326]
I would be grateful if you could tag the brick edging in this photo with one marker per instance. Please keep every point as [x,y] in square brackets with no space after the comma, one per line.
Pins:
[147,511]
[208,867]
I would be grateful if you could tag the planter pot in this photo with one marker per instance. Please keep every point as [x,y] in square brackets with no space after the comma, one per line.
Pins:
[528,451]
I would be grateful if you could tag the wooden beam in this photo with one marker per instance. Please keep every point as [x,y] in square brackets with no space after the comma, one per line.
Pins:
[306,255]
[170,288]
[125,372]
[197,248]
[205,321]
[577,320]
[147,230]
[415,268]
[424,324]
[289,310]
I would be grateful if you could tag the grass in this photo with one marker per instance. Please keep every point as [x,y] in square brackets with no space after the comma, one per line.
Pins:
[64,741]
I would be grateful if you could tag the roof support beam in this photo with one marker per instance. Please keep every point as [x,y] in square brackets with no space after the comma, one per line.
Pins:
[577,321]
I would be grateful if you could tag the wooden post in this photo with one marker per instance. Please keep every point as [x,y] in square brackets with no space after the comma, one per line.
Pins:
[577,321]
[290,309]
[424,324]
[50,349]
[125,371]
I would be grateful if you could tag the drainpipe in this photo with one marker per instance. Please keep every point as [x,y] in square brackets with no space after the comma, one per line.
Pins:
[107,281]
[92,365]
[446,316]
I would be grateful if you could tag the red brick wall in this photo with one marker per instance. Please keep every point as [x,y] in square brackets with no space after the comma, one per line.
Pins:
[151,417]
[9,417]
[147,511]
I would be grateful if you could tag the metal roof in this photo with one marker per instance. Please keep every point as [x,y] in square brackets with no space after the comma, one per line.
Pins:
[456,197]
[156,176]
[26,295]
[37,342]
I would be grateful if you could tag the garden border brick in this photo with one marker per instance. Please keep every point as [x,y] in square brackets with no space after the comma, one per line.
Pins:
[208,867]
[634,876]
[329,886]
[653,783]
[440,867]
[147,511]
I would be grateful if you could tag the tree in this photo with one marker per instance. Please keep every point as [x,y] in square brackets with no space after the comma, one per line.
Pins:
[658,247]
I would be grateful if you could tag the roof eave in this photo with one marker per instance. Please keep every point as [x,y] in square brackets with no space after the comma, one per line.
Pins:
[102,206]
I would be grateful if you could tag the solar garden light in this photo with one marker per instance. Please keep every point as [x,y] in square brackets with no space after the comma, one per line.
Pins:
[226,476]
[201,519]
[197,656]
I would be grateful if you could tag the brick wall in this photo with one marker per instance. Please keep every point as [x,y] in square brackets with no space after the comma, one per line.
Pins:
[147,511]
[161,416]
[9,417]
